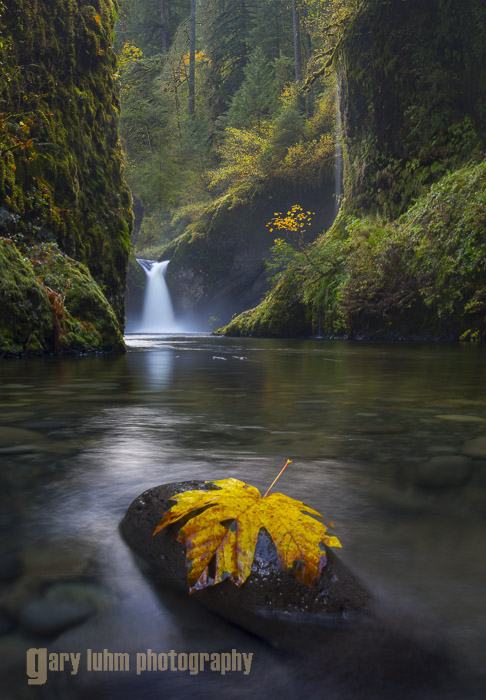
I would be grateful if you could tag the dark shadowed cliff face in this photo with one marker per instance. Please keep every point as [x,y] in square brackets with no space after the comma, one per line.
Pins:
[218,266]
[61,176]
[413,96]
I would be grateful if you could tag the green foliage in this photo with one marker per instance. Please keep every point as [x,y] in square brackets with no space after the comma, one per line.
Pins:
[255,98]
[141,22]
[288,129]
[272,30]
[420,275]
[249,122]
[225,29]
[241,158]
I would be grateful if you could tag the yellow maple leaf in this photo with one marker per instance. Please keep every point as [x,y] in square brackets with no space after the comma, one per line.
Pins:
[228,530]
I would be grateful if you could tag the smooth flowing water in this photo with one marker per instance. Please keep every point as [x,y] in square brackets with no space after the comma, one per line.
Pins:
[158,312]
[379,437]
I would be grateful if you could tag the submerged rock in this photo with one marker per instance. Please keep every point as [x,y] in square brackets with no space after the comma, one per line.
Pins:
[444,472]
[475,448]
[51,617]
[269,601]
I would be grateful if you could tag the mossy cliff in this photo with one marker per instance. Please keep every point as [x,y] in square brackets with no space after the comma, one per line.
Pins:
[413,97]
[61,172]
[50,303]
[406,256]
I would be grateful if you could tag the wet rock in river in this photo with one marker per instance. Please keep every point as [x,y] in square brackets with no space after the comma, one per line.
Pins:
[444,472]
[60,559]
[269,601]
[441,449]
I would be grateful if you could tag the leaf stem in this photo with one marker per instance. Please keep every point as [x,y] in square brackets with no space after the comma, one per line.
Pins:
[289,461]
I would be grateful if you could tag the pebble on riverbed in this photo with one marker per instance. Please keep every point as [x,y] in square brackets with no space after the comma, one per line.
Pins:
[63,605]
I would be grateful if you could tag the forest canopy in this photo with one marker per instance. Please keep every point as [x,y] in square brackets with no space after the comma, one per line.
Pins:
[212,100]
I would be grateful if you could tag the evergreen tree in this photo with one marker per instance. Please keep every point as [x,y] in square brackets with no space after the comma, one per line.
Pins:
[225,30]
[151,24]
[288,128]
[192,59]
[272,28]
[255,98]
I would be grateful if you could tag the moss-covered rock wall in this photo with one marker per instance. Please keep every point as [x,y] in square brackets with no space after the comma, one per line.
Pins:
[413,97]
[49,303]
[61,172]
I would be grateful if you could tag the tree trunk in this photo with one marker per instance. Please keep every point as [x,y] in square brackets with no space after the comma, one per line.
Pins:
[297,49]
[192,60]
[164,20]
[309,55]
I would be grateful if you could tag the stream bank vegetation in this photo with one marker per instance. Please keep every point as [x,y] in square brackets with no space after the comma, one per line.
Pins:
[421,275]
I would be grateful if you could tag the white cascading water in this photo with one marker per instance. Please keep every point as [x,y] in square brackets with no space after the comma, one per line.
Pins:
[158,313]
[338,151]
[338,161]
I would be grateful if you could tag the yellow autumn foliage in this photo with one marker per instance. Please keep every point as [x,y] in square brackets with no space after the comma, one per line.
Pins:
[227,530]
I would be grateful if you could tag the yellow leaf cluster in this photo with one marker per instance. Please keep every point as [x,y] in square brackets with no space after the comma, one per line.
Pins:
[227,532]
[295,220]
[129,54]
[200,58]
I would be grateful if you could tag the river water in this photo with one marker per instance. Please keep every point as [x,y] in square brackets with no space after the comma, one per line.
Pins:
[387,441]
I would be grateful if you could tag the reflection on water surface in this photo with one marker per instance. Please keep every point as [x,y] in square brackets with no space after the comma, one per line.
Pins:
[389,441]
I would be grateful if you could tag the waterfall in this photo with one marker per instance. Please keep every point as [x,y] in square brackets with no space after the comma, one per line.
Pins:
[338,156]
[158,313]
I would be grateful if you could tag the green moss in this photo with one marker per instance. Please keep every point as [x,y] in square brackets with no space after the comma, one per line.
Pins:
[61,171]
[282,313]
[90,320]
[421,275]
[407,256]
[25,314]
[50,303]
[413,79]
